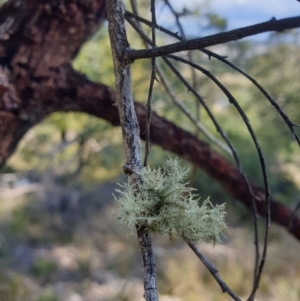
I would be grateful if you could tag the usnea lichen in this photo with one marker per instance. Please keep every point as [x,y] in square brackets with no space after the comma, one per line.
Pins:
[164,204]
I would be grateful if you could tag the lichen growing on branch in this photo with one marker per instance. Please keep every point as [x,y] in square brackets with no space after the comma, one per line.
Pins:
[164,204]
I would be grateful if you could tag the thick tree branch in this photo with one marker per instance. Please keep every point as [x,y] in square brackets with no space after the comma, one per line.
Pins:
[36,39]
[73,92]
[216,39]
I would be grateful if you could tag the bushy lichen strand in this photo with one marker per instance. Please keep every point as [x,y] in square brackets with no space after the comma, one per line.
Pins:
[164,204]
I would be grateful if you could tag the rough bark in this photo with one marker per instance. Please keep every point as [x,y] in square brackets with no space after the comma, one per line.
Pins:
[36,39]
[130,130]
[36,48]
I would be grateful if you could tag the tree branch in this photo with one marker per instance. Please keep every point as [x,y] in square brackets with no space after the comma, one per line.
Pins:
[74,92]
[224,60]
[152,79]
[258,268]
[36,39]
[130,128]
[200,127]
[214,271]
[216,39]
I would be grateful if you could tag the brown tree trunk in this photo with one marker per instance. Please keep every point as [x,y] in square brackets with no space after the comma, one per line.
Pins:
[38,40]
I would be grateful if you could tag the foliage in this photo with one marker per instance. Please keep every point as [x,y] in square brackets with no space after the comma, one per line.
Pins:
[164,204]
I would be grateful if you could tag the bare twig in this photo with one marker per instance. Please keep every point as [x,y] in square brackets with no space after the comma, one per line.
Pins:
[163,79]
[134,6]
[190,53]
[286,119]
[197,95]
[194,77]
[152,79]
[188,114]
[201,100]
[216,39]
[224,136]
[214,272]
[233,101]
[254,210]
[166,85]
[130,129]
[290,124]
[223,59]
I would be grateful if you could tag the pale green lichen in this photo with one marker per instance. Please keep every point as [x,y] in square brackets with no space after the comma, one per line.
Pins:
[163,203]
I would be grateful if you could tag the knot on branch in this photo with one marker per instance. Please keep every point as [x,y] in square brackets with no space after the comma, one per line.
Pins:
[130,169]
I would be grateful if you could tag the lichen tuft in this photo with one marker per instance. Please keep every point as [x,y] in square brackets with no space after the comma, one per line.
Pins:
[164,204]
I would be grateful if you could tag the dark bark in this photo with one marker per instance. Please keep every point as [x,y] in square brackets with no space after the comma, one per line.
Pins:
[36,39]
[36,51]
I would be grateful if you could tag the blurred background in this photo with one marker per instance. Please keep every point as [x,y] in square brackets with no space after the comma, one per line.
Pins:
[58,240]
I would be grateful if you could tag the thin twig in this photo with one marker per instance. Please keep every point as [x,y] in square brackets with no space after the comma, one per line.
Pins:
[190,53]
[258,268]
[214,272]
[166,85]
[188,114]
[216,39]
[254,210]
[196,122]
[223,59]
[197,95]
[130,15]
[290,124]
[273,102]
[233,101]
[194,77]
[134,6]
[152,79]
[223,135]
